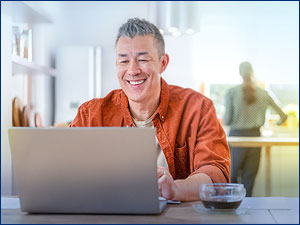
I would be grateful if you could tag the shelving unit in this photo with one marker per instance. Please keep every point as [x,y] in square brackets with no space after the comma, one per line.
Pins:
[14,12]
[31,13]
[23,66]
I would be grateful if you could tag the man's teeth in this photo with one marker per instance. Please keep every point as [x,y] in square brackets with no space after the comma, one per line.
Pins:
[136,82]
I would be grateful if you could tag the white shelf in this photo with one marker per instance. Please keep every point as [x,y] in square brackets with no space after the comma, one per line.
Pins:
[23,66]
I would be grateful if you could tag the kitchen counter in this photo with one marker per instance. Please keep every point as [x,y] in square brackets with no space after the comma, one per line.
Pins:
[266,142]
[262,141]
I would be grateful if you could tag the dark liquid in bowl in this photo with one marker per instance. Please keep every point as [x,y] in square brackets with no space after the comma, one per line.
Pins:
[221,205]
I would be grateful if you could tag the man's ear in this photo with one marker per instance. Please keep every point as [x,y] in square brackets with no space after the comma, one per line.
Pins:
[164,62]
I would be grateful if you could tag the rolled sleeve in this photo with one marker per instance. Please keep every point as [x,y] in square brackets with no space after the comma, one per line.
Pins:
[215,174]
[211,153]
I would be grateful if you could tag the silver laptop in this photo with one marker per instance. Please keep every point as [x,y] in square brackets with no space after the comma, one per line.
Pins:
[86,170]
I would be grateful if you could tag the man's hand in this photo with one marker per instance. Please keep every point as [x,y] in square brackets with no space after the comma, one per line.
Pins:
[181,190]
[166,185]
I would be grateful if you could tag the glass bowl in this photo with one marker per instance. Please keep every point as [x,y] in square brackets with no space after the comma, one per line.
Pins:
[222,195]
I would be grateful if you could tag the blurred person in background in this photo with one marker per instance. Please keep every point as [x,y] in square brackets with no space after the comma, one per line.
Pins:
[246,106]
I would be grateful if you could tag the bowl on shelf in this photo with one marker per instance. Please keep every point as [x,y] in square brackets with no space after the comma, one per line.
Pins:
[222,195]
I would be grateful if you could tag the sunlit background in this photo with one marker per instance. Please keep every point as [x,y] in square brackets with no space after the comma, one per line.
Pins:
[70,48]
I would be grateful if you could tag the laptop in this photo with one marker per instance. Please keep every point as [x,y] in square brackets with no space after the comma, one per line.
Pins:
[90,170]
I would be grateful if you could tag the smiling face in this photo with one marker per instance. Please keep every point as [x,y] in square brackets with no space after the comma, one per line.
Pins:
[139,67]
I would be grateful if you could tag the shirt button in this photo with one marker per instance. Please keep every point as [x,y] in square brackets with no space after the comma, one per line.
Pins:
[162,117]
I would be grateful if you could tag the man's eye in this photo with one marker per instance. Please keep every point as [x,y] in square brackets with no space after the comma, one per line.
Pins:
[124,62]
[143,60]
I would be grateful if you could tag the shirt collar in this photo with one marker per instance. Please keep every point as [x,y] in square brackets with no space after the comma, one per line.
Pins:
[125,109]
[164,100]
[161,110]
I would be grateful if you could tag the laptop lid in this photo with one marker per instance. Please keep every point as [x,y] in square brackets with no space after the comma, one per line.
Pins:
[86,170]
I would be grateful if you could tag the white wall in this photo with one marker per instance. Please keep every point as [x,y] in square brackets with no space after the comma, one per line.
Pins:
[180,70]
[274,50]
[264,33]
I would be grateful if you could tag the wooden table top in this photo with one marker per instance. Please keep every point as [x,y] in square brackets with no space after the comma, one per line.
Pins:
[269,210]
[262,141]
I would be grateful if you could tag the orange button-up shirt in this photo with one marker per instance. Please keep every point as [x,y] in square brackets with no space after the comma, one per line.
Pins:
[187,129]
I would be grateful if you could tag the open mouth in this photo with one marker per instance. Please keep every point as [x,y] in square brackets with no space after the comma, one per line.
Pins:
[136,82]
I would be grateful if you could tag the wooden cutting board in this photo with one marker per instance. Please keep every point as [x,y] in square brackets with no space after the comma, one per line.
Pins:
[37,119]
[26,116]
[17,108]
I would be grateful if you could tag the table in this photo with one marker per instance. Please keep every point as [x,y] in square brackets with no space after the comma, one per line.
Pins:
[262,141]
[266,142]
[270,210]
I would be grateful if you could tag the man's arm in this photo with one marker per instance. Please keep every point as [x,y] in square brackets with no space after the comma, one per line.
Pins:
[81,118]
[210,155]
[181,190]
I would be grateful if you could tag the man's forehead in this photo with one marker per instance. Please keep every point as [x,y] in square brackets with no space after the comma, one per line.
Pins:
[138,45]
[137,54]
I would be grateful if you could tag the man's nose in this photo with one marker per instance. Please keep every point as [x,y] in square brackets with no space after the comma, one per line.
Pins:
[133,68]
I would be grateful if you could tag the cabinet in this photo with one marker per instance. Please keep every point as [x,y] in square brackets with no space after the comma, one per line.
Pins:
[25,15]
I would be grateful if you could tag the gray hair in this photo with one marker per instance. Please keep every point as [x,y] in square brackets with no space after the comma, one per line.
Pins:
[135,26]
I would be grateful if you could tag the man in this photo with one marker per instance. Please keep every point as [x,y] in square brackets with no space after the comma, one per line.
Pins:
[192,144]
